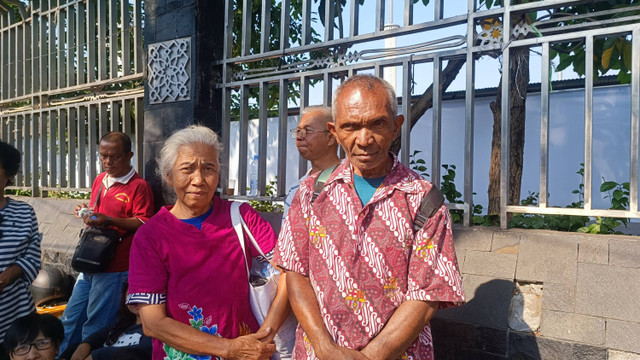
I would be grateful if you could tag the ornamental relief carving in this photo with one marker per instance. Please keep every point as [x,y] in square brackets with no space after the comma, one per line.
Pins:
[169,70]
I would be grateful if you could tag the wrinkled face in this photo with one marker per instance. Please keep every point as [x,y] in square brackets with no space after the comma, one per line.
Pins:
[318,138]
[114,160]
[41,348]
[194,176]
[365,128]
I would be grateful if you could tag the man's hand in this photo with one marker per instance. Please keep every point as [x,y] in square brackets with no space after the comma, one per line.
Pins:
[251,347]
[339,352]
[79,207]
[98,220]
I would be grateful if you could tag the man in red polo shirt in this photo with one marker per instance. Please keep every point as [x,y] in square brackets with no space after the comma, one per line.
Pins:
[125,202]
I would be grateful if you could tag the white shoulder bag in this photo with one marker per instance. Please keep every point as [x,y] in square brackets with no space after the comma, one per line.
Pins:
[263,291]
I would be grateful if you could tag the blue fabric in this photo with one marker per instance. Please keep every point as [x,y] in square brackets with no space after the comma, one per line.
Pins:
[366,187]
[198,220]
[93,305]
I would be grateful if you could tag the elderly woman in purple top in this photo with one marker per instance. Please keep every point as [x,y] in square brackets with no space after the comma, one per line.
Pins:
[187,270]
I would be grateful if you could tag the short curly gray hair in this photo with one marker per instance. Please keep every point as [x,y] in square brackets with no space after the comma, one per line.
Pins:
[194,134]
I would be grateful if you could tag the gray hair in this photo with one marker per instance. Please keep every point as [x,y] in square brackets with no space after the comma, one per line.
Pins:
[194,134]
[324,110]
[369,82]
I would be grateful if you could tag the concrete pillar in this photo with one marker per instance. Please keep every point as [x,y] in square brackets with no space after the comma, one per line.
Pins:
[183,40]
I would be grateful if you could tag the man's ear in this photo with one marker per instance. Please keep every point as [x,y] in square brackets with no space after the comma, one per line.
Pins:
[398,121]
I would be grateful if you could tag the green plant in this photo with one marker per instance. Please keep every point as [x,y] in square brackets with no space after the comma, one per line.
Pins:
[17,192]
[268,205]
[84,195]
[618,195]
[418,164]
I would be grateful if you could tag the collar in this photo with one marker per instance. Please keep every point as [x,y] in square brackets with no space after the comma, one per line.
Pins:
[109,180]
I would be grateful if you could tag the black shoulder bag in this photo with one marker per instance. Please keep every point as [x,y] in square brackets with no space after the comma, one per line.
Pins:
[96,248]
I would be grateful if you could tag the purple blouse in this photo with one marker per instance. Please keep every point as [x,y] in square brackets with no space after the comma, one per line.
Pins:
[199,274]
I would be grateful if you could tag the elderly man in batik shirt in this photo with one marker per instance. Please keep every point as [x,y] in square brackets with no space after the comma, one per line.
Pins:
[361,281]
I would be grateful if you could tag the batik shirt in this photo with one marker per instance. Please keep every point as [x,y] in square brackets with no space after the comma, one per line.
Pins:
[364,261]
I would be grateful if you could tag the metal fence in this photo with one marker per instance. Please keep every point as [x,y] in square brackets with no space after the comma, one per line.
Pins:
[69,72]
[294,55]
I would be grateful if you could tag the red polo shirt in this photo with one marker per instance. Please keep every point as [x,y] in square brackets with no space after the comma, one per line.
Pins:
[133,199]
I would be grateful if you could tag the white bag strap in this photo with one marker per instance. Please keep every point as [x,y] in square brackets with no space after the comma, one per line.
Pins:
[238,225]
[236,220]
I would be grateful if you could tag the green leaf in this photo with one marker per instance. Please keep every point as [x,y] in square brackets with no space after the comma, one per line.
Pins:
[626,54]
[608,185]
[606,58]
[618,194]
[624,77]
[565,61]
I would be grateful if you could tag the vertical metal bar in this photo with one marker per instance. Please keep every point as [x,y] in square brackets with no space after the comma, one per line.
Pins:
[355,18]
[28,149]
[4,59]
[326,89]
[73,162]
[115,117]
[92,41]
[126,117]
[45,23]
[60,53]
[283,109]
[588,123]
[304,102]
[285,18]
[113,39]
[265,26]
[228,33]
[544,126]
[377,70]
[52,53]
[71,48]
[226,128]
[246,27]
[137,36]
[86,119]
[262,137]
[438,9]
[408,12]
[635,119]
[20,59]
[379,18]
[436,121]
[62,148]
[19,145]
[103,122]
[125,39]
[469,123]
[81,39]
[92,141]
[405,137]
[53,153]
[139,135]
[102,39]
[44,160]
[506,118]
[306,23]
[243,130]
[12,62]
[35,151]
[34,55]
[328,20]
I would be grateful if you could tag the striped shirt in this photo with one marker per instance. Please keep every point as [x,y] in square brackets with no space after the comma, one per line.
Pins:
[19,245]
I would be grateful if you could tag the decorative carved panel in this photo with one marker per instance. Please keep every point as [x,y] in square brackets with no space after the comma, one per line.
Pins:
[169,71]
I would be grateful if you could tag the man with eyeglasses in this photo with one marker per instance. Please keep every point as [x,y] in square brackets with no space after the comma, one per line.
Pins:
[120,199]
[315,144]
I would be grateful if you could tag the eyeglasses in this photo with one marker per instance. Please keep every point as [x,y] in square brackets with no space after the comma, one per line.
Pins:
[40,344]
[302,133]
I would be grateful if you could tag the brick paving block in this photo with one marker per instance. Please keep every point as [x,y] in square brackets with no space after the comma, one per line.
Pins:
[623,335]
[586,352]
[553,349]
[594,250]
[608,291]
[558,297]
[624,253]
[547,259]
[474,238]
[621,355]
[488,301]
[573,327]
[490,264]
